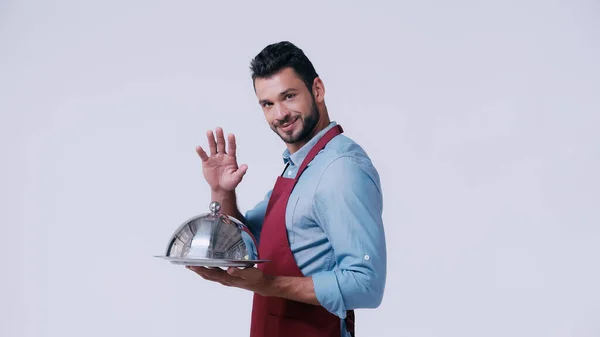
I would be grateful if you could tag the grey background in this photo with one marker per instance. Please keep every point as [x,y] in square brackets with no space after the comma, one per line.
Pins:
[482,118]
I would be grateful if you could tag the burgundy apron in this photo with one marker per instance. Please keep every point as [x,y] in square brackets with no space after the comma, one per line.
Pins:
[278,317]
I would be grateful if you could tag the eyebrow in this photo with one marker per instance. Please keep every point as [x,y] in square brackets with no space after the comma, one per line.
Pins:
[283,93]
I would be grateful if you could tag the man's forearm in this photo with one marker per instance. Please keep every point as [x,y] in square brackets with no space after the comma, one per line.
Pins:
[300,289]
[228,202]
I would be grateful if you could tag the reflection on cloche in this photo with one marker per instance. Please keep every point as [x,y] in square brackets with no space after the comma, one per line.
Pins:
[213,236]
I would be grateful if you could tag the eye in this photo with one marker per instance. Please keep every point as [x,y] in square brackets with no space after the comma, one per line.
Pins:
[289,96]
[267,104]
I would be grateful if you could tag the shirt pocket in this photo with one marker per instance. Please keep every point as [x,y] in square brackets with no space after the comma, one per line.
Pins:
[300,217]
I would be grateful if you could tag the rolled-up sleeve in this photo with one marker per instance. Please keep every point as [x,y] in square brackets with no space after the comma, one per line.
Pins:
[348,206]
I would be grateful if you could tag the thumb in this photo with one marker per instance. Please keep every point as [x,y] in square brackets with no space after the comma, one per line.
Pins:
[241,171]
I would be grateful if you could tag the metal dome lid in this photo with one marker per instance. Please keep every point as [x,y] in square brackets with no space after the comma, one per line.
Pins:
[212,239]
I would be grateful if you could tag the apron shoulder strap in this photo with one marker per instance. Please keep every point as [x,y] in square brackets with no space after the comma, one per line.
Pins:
[318,147]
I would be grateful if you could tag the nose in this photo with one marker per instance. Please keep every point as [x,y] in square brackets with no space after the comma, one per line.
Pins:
[281,112]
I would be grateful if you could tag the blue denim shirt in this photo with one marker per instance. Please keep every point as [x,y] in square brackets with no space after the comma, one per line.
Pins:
[334,224]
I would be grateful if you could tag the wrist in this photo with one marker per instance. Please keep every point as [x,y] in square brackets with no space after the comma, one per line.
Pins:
[270,286]
[220,193]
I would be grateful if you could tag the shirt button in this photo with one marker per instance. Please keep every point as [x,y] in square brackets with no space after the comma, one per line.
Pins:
[289,173]
[367,257]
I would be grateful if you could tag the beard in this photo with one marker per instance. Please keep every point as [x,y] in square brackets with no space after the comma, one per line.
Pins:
[308,124]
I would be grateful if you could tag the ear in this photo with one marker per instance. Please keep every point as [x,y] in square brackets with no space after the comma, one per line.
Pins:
[318,90]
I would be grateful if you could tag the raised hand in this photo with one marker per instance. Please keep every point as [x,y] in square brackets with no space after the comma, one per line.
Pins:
[221,169]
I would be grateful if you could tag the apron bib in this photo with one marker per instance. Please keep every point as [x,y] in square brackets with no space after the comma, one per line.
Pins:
[279,317]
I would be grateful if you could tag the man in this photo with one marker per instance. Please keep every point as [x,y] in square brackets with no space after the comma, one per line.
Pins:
[320,225]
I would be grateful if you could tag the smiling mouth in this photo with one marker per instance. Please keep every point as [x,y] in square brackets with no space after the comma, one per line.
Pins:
[288,124]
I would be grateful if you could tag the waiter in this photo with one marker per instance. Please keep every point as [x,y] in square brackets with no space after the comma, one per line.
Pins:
[320,225]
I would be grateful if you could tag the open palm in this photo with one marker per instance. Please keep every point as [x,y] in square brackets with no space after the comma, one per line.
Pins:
[221,169]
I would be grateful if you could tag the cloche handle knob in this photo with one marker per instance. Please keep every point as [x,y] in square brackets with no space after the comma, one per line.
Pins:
[214,207]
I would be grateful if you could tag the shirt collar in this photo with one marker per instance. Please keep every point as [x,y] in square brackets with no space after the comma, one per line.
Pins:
[298,156]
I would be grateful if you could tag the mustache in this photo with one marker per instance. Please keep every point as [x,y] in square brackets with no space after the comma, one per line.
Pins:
[286,120]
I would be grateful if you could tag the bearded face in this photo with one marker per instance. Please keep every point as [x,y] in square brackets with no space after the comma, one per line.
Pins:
[288,105]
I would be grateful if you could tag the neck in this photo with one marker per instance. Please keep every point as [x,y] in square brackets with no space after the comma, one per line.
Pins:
[323,122]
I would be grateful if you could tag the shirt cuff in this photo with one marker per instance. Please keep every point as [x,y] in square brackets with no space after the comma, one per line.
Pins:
[328,293]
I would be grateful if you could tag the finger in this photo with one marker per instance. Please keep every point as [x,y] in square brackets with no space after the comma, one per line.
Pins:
[245,273]
[216,273]
[232,146]
[211,142]
[219,276]
[240,172]
[205,273]
[200,270]
[237,272]
[220,141]
[197,270]
[200,151]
